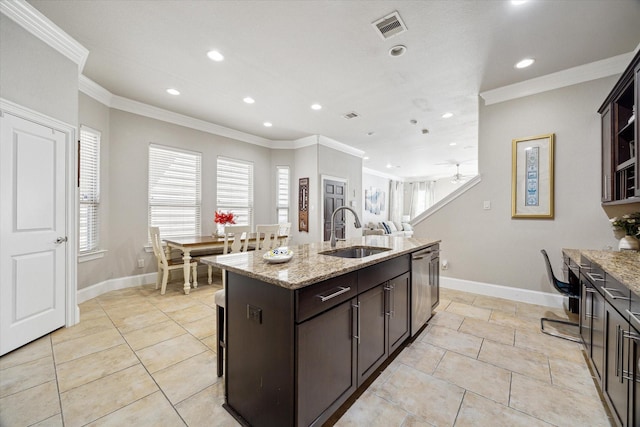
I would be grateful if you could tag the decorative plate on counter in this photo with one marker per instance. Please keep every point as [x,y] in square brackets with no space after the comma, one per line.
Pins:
[278,255]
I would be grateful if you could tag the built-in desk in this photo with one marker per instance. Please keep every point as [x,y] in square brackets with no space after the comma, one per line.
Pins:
[610,325]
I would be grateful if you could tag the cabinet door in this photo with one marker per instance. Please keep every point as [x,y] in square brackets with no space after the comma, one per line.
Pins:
[326,363]
[372,323]
[398,311]
[597,334]
[616,349]
[607,160]
[586,316]
[634,378]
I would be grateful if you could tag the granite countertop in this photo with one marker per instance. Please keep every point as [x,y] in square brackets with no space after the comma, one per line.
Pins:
[308,266]
[624,266]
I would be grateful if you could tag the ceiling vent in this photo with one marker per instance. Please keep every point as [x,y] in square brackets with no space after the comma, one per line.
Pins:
[351,115]
[389,26]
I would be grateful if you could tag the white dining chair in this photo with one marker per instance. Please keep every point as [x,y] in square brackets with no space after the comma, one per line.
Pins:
[236,239]
[285,230]
[267,236]
[166,265]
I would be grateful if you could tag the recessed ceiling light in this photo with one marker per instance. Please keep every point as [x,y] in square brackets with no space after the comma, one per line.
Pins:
[214,55]
[518,2]
[316,107]
[525,63]
[398,50]
[453,144]
[172,91]
[389,165]
[268,124]
[365,158]
[447,115]
[249,100]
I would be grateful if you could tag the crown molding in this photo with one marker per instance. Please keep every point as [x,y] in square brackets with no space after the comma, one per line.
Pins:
[583,73]
[41,27]
[339,146]
[94,90]
[382,174]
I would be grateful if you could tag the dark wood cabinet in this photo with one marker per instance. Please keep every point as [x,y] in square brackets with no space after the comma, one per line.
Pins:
[326,361]
[398,301]
[634,377]
[592,319]
[372,336]
[615,382]
[295,356]
[620,131]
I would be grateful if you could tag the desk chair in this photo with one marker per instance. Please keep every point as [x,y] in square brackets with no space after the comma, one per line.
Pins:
[565,289]
[166,265]
[267,236]
[240,243]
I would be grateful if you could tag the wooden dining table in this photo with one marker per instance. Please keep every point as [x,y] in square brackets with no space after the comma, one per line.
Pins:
[189,244]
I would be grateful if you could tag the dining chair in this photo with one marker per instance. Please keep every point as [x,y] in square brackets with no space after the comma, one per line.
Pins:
[285,230]
[267,236]
[167,265]
[236,239]
[565,289]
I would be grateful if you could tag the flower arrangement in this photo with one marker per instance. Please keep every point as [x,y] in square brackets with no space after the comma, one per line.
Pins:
[224,218]
[629,223]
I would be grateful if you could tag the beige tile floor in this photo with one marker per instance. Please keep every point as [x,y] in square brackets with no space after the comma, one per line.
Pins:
[139,358]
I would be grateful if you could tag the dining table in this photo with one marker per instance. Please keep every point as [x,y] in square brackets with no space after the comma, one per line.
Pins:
[189,244]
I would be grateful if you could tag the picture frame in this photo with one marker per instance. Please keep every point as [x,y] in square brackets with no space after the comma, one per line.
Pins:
[303,204]
[532,177]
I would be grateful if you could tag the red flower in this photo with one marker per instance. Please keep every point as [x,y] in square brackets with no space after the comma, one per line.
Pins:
[224,218]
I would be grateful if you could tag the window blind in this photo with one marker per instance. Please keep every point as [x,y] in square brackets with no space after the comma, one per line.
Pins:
[282,191]
[174,191]
[88,219]
[235,189]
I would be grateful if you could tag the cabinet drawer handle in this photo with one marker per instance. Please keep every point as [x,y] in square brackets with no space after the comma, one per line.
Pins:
[357,307]
[341,290]
[610,295]
[589,290]
[595,279]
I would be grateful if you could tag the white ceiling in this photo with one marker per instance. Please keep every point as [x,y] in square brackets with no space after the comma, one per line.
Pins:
[288,55]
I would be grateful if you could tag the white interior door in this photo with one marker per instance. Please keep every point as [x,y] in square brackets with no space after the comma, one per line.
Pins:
[33,230]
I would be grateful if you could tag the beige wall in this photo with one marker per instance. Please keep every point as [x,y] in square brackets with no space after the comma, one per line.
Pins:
[487,245]
[36,76]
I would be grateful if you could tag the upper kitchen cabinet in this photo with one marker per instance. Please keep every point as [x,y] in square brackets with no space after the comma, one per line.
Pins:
[620,131]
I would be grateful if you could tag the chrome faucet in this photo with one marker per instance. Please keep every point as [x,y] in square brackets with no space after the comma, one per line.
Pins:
[333,225]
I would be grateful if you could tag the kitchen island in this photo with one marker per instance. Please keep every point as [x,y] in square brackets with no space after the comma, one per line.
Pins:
[303,336]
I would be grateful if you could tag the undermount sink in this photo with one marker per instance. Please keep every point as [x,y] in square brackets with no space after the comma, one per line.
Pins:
[355,251]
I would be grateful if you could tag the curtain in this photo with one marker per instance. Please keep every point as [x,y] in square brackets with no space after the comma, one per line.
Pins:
[396,200]
[422,197]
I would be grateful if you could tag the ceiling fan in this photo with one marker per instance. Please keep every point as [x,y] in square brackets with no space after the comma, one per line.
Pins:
[457,178]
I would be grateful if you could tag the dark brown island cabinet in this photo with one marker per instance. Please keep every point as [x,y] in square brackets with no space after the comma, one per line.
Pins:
[295,356]
[620,132]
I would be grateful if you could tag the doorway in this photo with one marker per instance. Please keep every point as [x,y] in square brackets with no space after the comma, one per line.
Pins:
[333,196]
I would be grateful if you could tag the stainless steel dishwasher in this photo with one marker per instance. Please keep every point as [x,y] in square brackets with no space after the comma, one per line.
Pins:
[424,286]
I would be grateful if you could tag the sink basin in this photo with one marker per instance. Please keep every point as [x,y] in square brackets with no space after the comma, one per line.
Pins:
[355,251]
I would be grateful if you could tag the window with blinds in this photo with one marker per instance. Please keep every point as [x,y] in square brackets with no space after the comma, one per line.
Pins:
[88,216]
[235,189]
[282,191]
[174,191]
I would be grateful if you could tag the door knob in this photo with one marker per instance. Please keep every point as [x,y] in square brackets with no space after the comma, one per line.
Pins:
[60,240]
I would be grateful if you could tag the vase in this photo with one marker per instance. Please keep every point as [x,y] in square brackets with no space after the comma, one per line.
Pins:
[629,243]
[219,230]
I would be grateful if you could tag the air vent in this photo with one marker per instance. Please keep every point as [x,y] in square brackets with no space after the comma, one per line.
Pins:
[351,115]
[389,26]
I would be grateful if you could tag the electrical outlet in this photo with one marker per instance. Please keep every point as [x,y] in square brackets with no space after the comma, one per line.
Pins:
[141,263]
[254,313]
[486,205]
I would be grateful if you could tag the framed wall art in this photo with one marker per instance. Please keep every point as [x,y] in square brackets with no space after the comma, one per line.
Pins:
[303,204]
[532,177]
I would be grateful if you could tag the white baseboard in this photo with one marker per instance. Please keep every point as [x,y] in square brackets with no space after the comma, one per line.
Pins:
[514,294]
[98,289]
